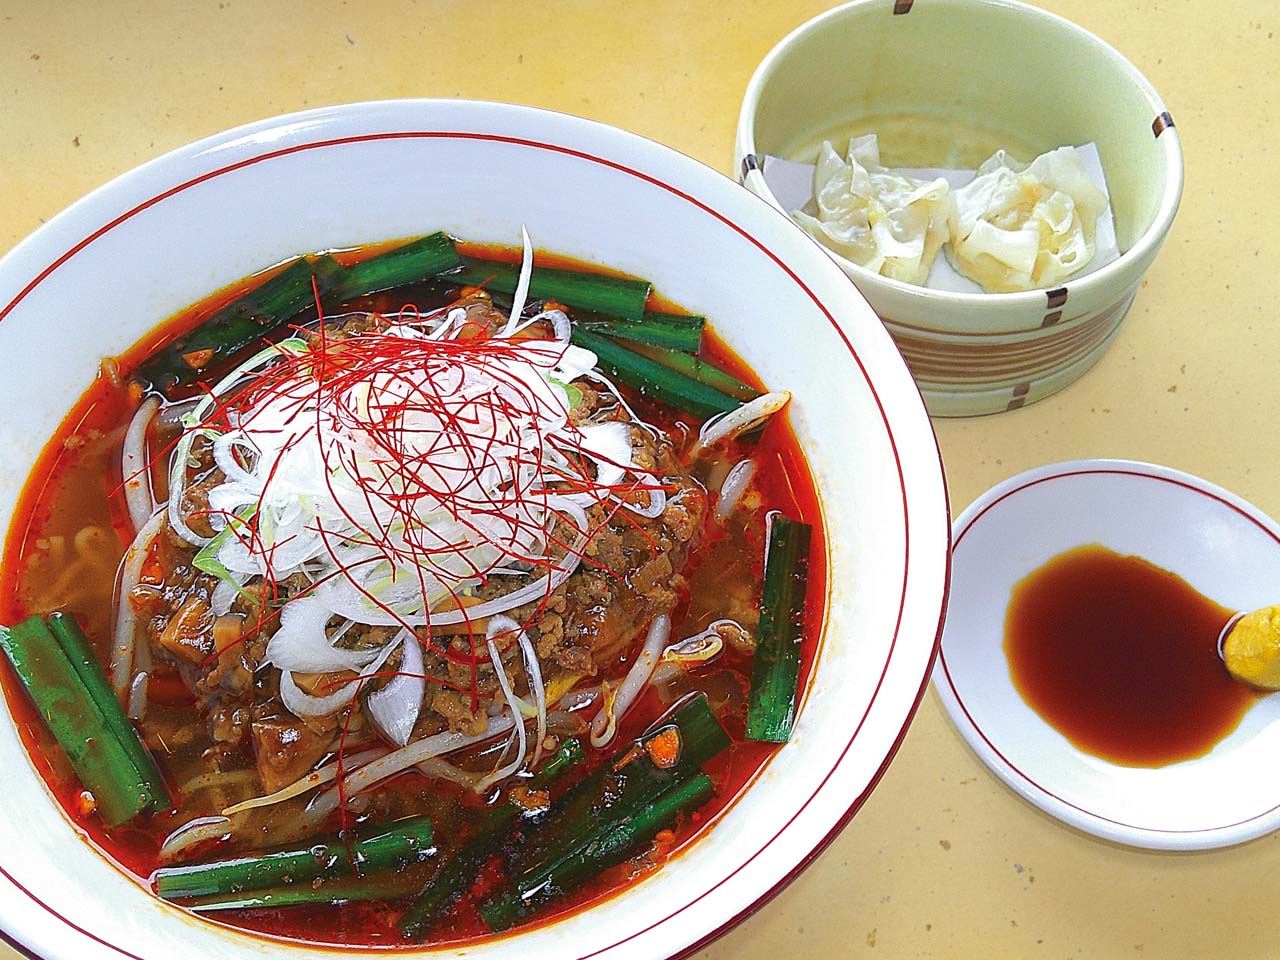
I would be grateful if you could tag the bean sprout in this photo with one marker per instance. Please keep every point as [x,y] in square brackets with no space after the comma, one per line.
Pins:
[193,832]
[734,486]
[316,778]
[126,620]
[602,730]
[135,466]
[726,426]
[517,720]
[402,759]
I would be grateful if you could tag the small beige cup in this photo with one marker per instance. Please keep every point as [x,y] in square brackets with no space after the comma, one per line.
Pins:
[991,65]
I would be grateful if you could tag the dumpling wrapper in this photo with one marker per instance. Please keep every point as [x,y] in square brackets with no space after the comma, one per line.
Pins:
[1025,227]
[883,221]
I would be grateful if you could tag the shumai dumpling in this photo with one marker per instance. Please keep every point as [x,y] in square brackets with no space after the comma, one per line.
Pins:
[1016,227]
[878,219]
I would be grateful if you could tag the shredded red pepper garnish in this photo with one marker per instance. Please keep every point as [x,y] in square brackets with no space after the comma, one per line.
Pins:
[332,379]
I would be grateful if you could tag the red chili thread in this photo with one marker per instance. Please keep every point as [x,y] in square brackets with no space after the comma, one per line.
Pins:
[404,474]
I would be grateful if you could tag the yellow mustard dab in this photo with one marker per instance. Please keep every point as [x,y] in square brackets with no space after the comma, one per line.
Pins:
[1252,648]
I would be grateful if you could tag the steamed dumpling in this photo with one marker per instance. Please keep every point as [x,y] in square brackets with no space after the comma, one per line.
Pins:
[881,220]
[1016,227]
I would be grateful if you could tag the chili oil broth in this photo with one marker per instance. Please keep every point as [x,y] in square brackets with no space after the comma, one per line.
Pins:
[76,485]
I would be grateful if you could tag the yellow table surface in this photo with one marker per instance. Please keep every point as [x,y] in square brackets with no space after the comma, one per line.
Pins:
[942,861]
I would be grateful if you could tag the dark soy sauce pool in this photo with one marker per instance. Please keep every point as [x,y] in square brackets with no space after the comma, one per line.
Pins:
[1120,656]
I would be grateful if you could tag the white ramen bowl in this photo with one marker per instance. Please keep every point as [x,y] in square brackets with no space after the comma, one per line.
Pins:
[99,276]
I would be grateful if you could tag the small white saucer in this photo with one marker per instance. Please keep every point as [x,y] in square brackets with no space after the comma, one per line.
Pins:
[1222,546]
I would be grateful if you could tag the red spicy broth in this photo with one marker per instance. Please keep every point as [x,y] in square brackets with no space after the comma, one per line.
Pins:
[75,486]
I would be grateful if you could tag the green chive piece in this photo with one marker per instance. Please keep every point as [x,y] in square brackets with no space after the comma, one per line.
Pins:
[620,788]
[413,262]
[93,678]
[613,296]
[453,879]
[99,760]
[771,708]
[699,370]
[252,318]
[378,886]
[610,846]
[394,844]
[653,378]
[672,331]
